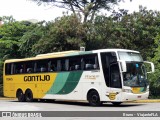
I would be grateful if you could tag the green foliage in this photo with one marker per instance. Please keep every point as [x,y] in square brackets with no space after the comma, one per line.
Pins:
[30,38]
[130,31]
[7,19]
[155,78]
[10,34]
[65,33]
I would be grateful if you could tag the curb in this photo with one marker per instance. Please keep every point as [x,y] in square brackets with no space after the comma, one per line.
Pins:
[146,101]
[5,98]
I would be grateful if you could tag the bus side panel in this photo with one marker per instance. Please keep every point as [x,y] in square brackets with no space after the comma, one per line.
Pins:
[8,90]
[92,80]
[35,82]
[76,86]
[65,86]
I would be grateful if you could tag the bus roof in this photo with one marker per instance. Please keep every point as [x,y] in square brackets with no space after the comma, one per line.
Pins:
[115,50]
[66,53]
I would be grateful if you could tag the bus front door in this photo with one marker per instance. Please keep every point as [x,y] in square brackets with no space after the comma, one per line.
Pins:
[111,74]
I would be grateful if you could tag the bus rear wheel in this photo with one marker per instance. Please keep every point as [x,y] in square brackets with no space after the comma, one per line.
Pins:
[20,96]
[93,98]
[28,95]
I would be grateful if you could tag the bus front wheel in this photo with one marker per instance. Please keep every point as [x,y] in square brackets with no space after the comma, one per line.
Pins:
[93,98]
[28,95]
[20,96]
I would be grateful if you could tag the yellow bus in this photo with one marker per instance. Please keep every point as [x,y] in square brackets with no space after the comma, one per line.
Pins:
[105,75]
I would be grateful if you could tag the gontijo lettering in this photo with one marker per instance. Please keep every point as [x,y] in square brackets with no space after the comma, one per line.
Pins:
[37,78]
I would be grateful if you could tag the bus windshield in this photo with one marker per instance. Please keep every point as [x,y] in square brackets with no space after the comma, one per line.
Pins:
[136,75]
[130,56]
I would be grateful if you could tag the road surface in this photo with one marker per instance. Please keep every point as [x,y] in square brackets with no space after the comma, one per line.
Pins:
[53,106]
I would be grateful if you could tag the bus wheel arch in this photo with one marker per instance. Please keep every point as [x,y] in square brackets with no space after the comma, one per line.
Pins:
[29,95]
[93,97]
[20,95]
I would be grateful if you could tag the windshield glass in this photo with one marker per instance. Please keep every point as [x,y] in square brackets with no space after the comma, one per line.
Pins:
[130,56]
[135,75]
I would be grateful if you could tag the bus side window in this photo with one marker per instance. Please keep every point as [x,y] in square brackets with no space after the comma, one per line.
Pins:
[8,68]
[82,64]
[43,69]
[29,70]
[12,68]
[74,63]
[18,68]
[89,66]
[66,64]
[77,67]
[59,65]
[53,66]
[21,69]
[29,67]
[41,66]
[91,62]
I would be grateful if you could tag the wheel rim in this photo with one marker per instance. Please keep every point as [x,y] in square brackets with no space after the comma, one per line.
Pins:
[28,96]
[20,96]
[94,99]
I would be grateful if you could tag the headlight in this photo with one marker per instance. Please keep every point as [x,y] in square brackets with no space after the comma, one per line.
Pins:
[127,90]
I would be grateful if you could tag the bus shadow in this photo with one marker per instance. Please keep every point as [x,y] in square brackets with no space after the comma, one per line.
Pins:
[103,105]
[76,103]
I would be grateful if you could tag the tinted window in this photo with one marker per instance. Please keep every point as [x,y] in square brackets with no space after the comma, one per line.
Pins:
[41,66]
[8,68]
[75,63]
[90,62]
[111,69]
[83,62]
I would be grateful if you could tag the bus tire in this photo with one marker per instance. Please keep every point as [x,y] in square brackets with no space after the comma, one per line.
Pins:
[20,96]
[28,95]
[116,103]
[93,98]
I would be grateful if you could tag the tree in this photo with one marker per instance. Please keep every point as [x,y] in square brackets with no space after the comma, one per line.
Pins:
[7,19]
[130,31]
[86,7]
[11,33]
[30,38]
[66,33]
[155,78]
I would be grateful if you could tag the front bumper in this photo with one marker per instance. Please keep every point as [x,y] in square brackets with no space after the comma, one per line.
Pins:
[131,96]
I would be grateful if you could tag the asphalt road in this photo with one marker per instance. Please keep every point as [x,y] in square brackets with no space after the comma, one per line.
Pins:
[14,105]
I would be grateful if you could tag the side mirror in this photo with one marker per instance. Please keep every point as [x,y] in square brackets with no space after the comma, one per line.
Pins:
[152,66]
[123,66]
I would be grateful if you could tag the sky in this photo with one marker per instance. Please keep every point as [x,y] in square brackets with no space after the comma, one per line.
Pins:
[26,9]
